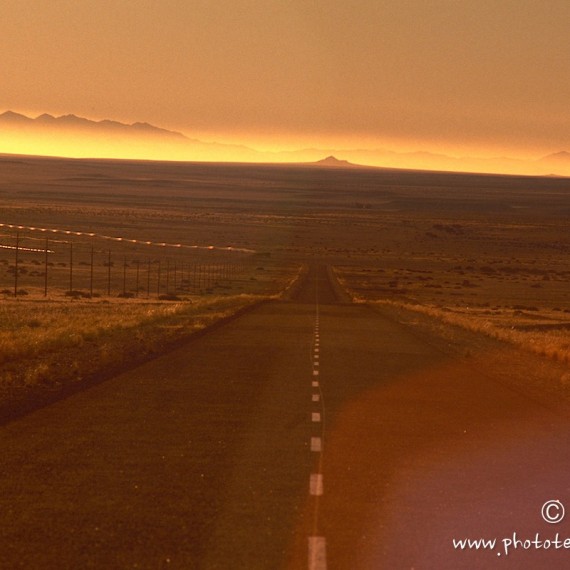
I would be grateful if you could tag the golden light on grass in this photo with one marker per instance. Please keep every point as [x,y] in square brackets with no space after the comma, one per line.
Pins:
[35,336]
[55,341]
[545,332]
[554,344]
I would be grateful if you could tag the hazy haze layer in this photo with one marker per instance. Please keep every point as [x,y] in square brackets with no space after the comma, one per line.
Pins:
[482,79]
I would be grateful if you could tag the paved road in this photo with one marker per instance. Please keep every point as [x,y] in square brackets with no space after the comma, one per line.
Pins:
[305,434]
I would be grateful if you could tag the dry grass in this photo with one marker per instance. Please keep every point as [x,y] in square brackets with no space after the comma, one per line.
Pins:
[49,342]
[543,332]
[55,341]
[28,329]
[554,344]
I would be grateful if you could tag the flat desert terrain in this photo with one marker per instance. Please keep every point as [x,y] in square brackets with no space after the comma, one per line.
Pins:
[388,372]
[490,249]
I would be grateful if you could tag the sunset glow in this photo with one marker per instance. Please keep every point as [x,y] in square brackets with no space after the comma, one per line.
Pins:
[466,80]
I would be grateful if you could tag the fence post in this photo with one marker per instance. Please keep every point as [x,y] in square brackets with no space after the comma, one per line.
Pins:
[16,264]
[138,273]
[124,275]
[70,266]
[46,270]
[109,274]
[148,280]
[91,275]
[158,281]
[167,275]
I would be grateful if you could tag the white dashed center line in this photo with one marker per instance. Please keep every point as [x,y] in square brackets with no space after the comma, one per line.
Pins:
[317,553]
[316,484]
[317,559]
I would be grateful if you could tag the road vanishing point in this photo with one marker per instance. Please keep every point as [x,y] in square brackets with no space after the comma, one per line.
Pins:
[310,433]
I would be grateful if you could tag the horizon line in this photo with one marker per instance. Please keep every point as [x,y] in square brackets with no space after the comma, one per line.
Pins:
[351,167]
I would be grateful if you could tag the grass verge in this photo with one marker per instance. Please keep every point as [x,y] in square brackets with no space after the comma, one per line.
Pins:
[54,345]
[541,332]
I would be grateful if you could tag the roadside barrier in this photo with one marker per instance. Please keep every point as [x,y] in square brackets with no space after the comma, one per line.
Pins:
[80,264]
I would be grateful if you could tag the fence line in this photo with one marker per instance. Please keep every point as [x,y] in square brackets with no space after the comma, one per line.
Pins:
[126,240]
[93,272]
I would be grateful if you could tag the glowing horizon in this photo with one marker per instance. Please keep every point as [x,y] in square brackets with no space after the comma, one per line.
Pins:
[260,148]
[288,140]
[463,79]
[148,152]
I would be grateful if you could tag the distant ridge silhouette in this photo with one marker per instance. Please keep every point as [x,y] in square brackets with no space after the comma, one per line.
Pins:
[333,162]
[562,156]
[73,122]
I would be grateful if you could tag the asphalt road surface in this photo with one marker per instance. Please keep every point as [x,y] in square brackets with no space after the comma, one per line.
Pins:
[310,433]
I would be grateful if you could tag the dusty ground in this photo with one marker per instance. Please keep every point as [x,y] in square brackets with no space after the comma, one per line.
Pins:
[201,456]
[492,250]
[491,247]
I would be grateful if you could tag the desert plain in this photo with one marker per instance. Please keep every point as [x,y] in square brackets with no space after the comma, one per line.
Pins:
[472,271]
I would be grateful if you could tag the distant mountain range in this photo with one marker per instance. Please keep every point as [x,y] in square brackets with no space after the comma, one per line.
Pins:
[73,136]
[72,122]
[562,157]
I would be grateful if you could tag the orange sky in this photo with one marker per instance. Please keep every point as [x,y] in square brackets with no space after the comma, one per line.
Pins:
[485,77]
